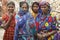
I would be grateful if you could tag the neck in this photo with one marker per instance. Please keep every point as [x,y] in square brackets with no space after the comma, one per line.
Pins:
[35,12]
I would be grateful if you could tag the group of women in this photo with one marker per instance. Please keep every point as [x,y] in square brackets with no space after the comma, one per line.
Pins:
[36,24]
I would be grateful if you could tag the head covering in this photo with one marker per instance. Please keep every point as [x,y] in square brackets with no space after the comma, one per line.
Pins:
[45,3]
[23,2]
[21,11]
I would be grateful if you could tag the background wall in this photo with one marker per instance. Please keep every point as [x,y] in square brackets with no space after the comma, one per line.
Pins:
[55,5]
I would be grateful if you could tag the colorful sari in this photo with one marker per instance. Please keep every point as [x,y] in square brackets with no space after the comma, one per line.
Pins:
[9,32]
[44,23]
[25,28]
[23,31]
[47,23]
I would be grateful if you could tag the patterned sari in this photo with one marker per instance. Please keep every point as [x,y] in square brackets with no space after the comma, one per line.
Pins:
[48,24]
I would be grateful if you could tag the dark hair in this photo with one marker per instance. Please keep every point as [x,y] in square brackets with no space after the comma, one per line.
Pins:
[34,4]
[11,3]
[23,2]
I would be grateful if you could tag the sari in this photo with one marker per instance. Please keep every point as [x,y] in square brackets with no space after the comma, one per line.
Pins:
[25,27]
[9,32]
[47,22]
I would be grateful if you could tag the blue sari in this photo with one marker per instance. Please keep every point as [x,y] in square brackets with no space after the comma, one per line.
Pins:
[23,31]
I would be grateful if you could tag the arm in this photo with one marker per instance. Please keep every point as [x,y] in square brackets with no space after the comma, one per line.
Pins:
[48,34]
[6,24]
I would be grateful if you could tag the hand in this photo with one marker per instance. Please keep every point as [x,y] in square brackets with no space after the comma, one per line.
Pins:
[39,36]
[11,15]
[3,27]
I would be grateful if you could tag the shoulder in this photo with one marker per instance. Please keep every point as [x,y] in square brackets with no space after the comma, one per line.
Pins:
[28,15]
[52,18]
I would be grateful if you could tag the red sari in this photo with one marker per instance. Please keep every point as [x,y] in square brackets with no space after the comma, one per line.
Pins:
[9,32]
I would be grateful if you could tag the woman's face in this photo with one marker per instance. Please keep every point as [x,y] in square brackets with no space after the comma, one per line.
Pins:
[35,8]
[11,8]
[24,7]
[44,8]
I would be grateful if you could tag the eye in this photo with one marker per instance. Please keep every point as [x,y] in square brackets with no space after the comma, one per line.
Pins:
[10,6]
[44,7]
[24,7]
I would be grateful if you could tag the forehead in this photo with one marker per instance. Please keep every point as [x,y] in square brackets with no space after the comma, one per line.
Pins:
[44,6]
[24,5]
[35,5]
[11,5]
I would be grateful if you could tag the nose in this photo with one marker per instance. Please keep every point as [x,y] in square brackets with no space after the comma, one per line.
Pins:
[24,9]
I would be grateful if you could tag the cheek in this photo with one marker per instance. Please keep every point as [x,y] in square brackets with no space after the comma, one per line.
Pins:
[12,9]
[8,9]
[44,9]
[24,9]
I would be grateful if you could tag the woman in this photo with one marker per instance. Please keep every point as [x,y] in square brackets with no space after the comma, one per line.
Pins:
[57,35]
[22,29]
[9,21]
[35,15]
[47,22]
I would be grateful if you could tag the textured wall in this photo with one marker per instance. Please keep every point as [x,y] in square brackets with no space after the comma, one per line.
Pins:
[4,4]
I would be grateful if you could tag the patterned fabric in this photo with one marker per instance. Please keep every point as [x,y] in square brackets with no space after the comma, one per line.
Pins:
[57,36]
[27,25]
[47,23]
[9,32]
